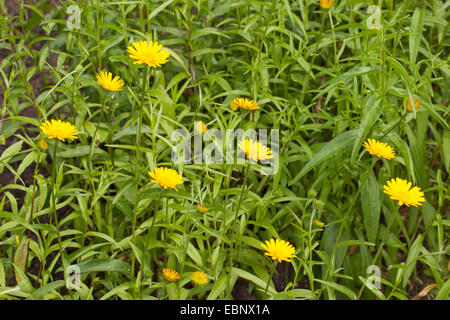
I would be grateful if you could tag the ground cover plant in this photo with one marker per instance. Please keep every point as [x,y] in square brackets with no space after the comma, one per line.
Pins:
[344,195]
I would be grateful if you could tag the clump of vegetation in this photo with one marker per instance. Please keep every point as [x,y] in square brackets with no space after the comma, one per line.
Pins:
[130,169]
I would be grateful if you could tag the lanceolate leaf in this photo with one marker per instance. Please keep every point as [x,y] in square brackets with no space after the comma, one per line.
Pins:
[371,204]
[332,148]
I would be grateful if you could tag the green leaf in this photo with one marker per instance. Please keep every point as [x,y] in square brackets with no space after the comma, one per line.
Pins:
[332,148]
[371,204]
[219,287]
[10,152]
[349,293]
[444,292]
[79,151]
[446,149]
[252,278]
[371,112]
[213,232]
[416,34]
[413,255]
[39,293]
[111,265]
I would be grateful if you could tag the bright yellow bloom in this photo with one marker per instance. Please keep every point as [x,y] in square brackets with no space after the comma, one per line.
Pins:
[243,103]
[59,129]
[199,278]
[170,274]
[200,127]
[107,82]
[379,149]
[202,209]
[255,150]
[319,223]
[149,53]
[399,189]
[279,250]
[166,178]
[326,4]
[43,144]
[416,104]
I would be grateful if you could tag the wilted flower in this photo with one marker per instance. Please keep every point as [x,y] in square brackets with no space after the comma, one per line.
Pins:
[43,144]
[416,104]
[202,209]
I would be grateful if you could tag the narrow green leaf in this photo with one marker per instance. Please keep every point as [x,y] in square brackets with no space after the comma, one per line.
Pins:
[332,148]
[370,204]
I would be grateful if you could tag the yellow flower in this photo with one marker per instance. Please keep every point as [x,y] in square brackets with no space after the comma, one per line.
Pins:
[167,178]
[43,144]
[416,104]
[319,223]
[149,53]
[379,149]
[199,278]
[255,150]
[107,82]
[59,129]
[326,4]
[170,274]
[202,209]
[243,103]
[399,189]
[279,250]
[200,127]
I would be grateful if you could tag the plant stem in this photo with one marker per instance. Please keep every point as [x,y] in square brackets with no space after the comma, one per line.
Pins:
[136,173]
[391,220]
[230,261]
[271,275]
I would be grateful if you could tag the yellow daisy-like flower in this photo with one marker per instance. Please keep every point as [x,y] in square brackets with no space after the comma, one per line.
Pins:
[243,103]
[59,129]
[400,190]
[43,144]
[166,178]
[416,104]
[170,274]
[149,53]
[379,149]
[255,150]
[326,4]
[107,82]
[199,278]
[202,209]
[200,127]
[279,250]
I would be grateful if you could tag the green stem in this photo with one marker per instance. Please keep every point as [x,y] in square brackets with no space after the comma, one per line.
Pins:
[55,216]
[136,173]
[391,220]
[230,261]
[270,277]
